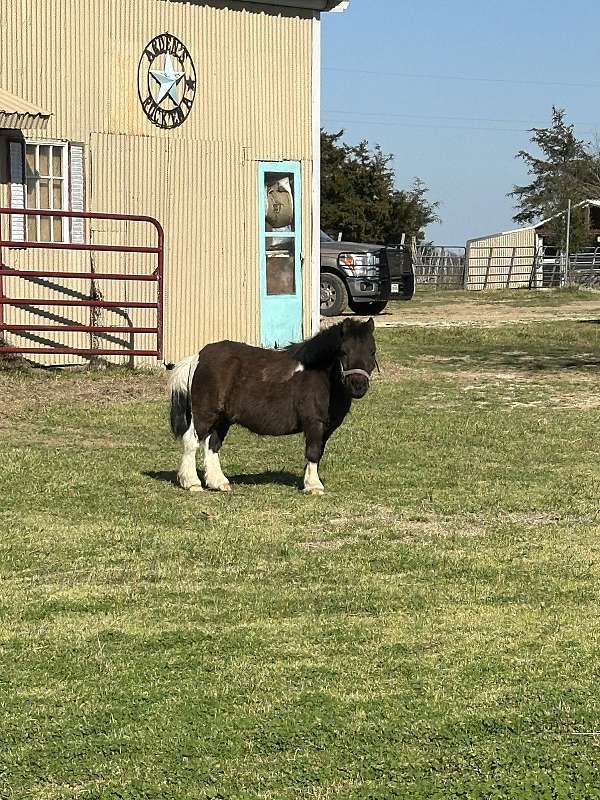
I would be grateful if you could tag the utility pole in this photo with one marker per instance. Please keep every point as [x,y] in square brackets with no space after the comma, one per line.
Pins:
[568,244]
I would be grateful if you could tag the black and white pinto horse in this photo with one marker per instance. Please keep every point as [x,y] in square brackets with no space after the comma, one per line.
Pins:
[306,388]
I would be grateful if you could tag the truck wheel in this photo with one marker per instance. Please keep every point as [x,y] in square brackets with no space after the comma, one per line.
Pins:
[368,308]
[334,295]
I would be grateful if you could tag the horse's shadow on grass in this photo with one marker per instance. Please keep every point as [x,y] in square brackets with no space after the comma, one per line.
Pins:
[166,476]
[269,477]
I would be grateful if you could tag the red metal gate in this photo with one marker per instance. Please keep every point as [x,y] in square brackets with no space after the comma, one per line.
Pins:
[155,276]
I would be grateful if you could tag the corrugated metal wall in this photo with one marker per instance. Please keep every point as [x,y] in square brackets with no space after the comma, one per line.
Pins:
[253,69]
[253,102]
[210,289]
[502,261]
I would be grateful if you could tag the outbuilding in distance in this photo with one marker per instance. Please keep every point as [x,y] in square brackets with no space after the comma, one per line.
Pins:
[203,115]
[532,257]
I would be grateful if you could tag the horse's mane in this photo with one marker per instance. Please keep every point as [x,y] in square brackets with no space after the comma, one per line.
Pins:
[323,349]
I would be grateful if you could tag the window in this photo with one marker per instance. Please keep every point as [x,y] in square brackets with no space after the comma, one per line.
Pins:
[280,218]
[47,175]
[46,183]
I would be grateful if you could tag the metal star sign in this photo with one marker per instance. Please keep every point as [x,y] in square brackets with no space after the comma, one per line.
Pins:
[167,80]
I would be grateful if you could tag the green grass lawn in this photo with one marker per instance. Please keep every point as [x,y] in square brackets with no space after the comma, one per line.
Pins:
[429,629]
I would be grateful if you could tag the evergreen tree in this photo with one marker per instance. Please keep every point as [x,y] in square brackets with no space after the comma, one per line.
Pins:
[565,169]
[358,197]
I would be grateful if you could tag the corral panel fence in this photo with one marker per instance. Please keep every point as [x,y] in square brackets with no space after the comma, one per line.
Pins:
[518,267]
[439,266]
[584,268]
[42,307]
[525,267]
[503,267]
[493,266]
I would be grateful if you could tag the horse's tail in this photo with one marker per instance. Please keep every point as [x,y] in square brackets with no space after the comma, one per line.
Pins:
[180,388]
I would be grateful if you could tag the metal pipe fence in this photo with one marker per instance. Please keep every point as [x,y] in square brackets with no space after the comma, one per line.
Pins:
[441,267]
[584,268]
[78,299]
[482,267]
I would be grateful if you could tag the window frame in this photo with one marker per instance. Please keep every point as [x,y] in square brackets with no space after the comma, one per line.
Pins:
[64,145]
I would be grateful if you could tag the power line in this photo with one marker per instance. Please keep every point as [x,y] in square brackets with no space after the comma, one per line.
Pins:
[389,123]
[470,78]
[434,117]
[432,127]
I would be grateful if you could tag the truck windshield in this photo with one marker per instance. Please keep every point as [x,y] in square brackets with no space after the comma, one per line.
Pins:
[325,237]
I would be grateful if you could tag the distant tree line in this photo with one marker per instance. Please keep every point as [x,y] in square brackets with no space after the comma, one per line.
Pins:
[359,198]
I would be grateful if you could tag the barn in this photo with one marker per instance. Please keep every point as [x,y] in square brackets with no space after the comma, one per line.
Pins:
[174,147]
[531,257]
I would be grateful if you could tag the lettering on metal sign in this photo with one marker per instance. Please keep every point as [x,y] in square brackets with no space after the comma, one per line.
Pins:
[166,81]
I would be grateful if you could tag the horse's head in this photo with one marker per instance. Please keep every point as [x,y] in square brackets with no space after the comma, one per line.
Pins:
[357,355]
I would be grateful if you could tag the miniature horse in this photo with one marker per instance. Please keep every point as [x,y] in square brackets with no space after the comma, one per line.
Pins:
[305,388]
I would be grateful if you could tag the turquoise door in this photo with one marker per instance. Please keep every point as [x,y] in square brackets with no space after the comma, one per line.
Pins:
[280,213]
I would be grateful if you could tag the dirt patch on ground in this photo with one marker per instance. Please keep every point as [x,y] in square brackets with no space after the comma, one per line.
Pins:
[479,313]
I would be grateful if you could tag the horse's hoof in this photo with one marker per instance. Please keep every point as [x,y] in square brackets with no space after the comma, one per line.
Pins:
[219,487]
[315,492]
[196,487]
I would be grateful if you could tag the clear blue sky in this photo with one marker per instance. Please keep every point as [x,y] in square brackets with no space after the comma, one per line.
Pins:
[383,62]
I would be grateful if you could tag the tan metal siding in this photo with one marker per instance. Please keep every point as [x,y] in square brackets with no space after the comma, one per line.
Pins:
[253,69]
[211,285]
[505,260]
[253,102]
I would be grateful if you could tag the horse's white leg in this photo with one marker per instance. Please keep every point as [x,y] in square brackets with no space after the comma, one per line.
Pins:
[314,433]
[312,482]
[213,474]
[187,475]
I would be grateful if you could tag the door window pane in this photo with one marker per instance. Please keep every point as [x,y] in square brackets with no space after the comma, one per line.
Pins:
[279,201]
[281,266]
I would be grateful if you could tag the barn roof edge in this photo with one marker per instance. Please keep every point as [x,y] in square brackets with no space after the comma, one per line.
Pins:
[306,5]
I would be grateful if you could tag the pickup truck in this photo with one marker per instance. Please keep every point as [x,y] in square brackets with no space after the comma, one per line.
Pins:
[364,277]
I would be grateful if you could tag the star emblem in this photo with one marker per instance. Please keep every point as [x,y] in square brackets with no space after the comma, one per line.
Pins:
[167,79]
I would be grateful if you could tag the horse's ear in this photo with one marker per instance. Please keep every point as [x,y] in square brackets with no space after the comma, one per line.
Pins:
[347,324]
[370,325]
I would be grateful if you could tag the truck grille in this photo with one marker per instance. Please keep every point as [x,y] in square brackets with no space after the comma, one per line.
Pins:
[399,261]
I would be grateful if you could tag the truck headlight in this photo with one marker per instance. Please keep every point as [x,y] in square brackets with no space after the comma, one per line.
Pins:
[360,264]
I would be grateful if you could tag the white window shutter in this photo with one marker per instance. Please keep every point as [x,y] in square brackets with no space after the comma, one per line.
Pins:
[17,191]
[77,193]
